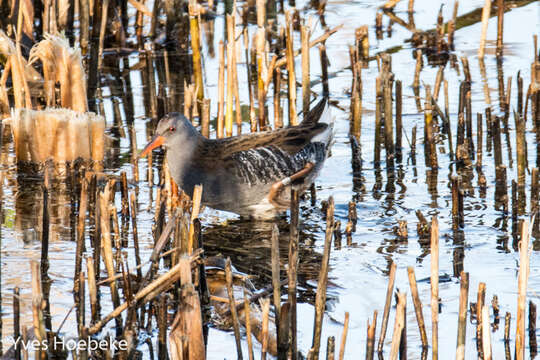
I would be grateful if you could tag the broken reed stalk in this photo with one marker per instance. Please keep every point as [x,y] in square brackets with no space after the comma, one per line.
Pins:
[458,218]
[293,272]
[344,336]
[290,68]
[16,321]
[447,115]
[362,43]
[19,63]
[106,245]
[378,25]
[378,122]
[388,303]
[187,327]
[352,215]
[134,230]
[238,112]
[161,319]
[151,290]
[247,314]
[501,191]
[305,32]
[403,338]
[37,310]
[452,26]
[330,348]
[418,68]
[514,205]
[44,262]
[521,148]
[417,307]
[479,140]
[496,310]
[265,305]
[535,195]
[522,290]
[480,301]
[249,73]
[466,69]
[507,320]
[221,90]
[438,82]
[387,84]
[229,101]
[125,197]
[160,244]
[356,96]
[500,26]
[435,287]
[462,319]
[102,28]
[81,318]
[337,235]
[276,276]
[429,132]
[413,145]
[399,325]
[194,29]
[320,297]
[486,335]
[205,118]
[196,208]
[399,124]
[370,343]
[278,113]
[283,345]
[262,68]
[92,290]
[80,248]
[485,18]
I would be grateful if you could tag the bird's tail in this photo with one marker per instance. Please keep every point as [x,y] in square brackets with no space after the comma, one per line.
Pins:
[326,136]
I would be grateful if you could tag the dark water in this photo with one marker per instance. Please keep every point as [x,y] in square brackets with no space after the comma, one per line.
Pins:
[358,273]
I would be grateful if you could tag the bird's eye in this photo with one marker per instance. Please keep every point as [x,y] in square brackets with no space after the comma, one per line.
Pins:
[172,129]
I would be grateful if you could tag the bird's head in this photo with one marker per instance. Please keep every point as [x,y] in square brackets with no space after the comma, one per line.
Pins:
[173,130]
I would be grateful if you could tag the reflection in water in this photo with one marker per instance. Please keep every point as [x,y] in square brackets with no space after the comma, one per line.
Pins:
[61,207]
[28,211]
[487,95]
[248,244]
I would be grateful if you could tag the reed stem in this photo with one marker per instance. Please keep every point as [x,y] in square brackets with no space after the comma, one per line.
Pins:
[290,69]
[485,18]
[417,306]
[435,287]
[523,276]
[387,304]
[320,298]
[462,322]
[344,337]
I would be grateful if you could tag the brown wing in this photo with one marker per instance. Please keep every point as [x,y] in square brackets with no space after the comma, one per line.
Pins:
[291,139]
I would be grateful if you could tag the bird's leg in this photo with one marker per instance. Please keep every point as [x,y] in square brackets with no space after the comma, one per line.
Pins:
[278,186]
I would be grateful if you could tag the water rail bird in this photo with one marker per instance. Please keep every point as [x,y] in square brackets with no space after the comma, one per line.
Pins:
[247,174]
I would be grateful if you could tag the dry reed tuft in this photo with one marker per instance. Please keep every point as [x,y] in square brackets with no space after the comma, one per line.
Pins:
[61,134]
[63,64]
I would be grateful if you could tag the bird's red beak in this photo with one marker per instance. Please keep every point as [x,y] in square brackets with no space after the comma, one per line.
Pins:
[158,140]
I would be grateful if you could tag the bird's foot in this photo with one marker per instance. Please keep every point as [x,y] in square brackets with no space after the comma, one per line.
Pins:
[277,187]
[273,195]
